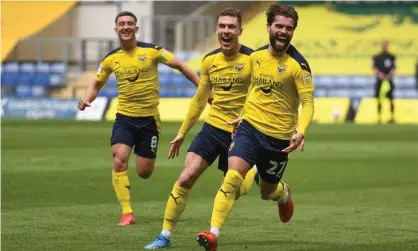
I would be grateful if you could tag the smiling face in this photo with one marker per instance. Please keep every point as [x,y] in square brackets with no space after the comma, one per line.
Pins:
[228,30]
[281,32]
[126,28]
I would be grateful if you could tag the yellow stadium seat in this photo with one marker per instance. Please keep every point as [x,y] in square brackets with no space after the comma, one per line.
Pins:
[335,45]
[406,111]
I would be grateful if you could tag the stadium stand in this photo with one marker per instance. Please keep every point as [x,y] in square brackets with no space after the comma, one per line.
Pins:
[339,52]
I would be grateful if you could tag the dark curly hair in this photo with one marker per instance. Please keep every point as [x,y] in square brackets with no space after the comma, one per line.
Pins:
[281,10]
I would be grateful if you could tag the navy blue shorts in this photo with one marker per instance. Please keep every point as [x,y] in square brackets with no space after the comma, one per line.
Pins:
[141,132]
[210,143]
[256,148]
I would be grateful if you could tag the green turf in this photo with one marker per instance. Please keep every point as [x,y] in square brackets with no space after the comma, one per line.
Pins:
[355,188]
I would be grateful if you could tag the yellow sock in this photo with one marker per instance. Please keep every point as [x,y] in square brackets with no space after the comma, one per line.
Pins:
[225,198]
[247,183]
[280,194]
[175,206]
[121,184]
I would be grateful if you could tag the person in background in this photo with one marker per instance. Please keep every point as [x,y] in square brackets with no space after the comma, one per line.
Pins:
[384,67]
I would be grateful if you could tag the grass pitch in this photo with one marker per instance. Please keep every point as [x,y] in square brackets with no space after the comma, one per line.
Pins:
[355,188]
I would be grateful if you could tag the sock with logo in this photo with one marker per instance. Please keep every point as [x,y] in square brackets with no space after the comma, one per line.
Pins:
[224,200]
[120,182]
[247,183]
[280,194]
[175,206]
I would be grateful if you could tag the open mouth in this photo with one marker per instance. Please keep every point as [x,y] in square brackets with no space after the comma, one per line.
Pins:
[281,39]
[126,32]
[226,40]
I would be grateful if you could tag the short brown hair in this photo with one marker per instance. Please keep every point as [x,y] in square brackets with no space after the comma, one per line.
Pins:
[231,12]
[281,10]
[125,13]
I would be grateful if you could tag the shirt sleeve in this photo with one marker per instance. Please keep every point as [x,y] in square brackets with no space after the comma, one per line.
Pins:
[199,101]
[164,56]
[305,89]
[104,71]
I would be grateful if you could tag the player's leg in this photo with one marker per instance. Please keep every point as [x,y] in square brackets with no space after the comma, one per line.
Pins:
[146,146]
[242,156]
[249,177]
[377,96]
[122,142]
[271,166]
[202,153]
[392,103]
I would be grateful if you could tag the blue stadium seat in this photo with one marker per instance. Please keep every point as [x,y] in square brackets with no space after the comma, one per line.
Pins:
[320,93]
[162,68]
[164,79]
[324,81]
[10,74]
[404,82]
[41,78]
[180,93]
[58,68]
[342,81]
[9,78]
[405,93]
[339,93]
[361,81]
[164,92]
[43,67]
[24,91]
[27,67]
[38,91]
[189,92]
[180,81]
[26,78]
[54,80]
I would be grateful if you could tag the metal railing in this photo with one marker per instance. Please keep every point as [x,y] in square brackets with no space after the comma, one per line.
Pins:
[86,53]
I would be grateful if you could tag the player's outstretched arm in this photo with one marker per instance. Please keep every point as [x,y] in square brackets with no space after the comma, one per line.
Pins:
[305,120]
[90,95]
[185,70]
[196,107]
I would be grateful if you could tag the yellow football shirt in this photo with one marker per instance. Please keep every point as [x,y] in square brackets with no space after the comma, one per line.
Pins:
[136,73]
[230,78]
[279,85]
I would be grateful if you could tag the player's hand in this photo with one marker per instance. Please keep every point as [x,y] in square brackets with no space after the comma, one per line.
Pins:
[381,76]
[82,104]
[302,145]
[234,123]
[297,140]
[210,99]
[175,146]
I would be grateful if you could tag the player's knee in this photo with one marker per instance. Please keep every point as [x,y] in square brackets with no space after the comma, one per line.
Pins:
[144,167]
[145,172]
[119,164]
[186,179]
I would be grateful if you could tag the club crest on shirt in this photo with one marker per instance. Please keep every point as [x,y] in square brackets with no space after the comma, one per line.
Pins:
[142,57]
[239,67]
[281,68]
